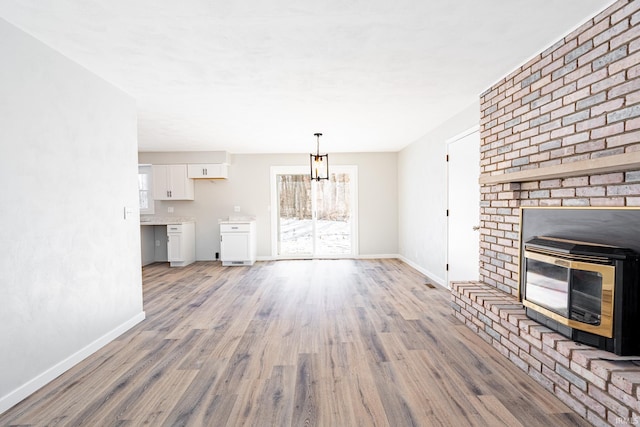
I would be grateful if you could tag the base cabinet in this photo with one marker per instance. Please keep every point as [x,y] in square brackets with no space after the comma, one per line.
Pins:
[181,244]
[238,243]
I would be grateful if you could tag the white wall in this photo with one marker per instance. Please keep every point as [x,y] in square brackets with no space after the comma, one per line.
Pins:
[70,263]
[248,186]
[422,195]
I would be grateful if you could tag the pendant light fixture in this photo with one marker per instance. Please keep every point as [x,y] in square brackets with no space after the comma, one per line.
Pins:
[319,163]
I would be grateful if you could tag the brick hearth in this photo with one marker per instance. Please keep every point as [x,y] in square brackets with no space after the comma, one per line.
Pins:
[598,385]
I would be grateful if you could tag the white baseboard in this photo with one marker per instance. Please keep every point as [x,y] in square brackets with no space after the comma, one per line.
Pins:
[427,273]
[50,374]
[378,256]
[374,256]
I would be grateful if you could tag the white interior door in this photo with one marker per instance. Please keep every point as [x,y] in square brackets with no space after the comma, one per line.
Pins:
[463,237]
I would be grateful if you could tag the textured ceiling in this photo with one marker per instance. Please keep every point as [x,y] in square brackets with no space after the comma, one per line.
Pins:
[263,76]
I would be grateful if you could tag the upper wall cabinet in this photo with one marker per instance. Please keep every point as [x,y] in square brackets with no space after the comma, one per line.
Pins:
[209,170]
[171,182]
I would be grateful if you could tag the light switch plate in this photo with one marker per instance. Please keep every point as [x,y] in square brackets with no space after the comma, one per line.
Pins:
[127,212]
[236,208]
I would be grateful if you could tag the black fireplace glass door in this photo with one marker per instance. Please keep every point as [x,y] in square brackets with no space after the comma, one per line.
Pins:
[586,296]
[547,285]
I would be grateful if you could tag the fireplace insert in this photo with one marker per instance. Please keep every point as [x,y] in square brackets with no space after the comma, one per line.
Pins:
[586,291]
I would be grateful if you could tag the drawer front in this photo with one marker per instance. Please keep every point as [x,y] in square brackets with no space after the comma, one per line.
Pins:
[235,228]
[174,228]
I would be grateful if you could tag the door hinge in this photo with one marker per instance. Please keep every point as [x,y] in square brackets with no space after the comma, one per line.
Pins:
[446,267]
[447,157]
[447,212]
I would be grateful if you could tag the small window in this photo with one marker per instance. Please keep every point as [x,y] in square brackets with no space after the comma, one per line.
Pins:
[145,189]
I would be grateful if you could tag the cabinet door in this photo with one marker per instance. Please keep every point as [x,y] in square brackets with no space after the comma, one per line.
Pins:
[170,182]
[160,182]
[174,247]
[181,187]
[235,247]
[208,170]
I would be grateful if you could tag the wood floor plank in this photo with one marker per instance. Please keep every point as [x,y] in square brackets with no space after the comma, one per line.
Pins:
[290,343]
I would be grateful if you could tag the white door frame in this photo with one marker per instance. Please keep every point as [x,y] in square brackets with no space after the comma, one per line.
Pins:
[448,142]
[280,170]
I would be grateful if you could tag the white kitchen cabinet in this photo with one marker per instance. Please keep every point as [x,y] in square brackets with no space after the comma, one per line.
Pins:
[181,244]
[171,182]
[238,243]
[208,170]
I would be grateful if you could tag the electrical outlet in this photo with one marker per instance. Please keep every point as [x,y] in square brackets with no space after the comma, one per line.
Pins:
[157,243]
[236,208]
[170,209]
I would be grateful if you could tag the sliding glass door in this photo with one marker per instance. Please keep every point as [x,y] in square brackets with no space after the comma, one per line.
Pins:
[311,218]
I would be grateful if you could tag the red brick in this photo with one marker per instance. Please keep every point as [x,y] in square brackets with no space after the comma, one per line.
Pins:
[541,379]
[611,178]
[571,402]
[626,380]
[589,402]
[623,190]
[607,201]
[533,363]
[606,107]
[567,347]
[595,420]
[624,12]
[584,357]
[560,382]
[608,83]
[591,191]
[542,358]
[594,123]
[629,400]
[537,343]
[519,362]
[593,31]
[563,192]
[501,348]
[623,139]
[516,340]
[612,404]
[585,373]
[551,338]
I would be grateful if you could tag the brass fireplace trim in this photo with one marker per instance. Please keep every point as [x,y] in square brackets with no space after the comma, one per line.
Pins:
[605,328]
[521,210]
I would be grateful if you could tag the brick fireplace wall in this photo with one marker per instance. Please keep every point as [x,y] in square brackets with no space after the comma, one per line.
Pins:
[546,130]
[577,100]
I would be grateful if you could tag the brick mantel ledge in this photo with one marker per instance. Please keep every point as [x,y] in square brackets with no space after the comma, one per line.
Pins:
[599,386]
[601,165]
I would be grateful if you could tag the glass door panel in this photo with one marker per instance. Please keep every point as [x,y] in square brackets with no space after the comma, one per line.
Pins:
[548,286]
[333,215]
[586,296]
[295,215]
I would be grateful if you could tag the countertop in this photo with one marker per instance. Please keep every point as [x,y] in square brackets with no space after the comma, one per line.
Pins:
[237,220]
[164,220]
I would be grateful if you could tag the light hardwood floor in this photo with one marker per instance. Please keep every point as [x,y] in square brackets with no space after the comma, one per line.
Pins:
[294,343]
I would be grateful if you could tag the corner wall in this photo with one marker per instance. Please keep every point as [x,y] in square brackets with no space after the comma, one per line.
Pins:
[70,262]
[422,196]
